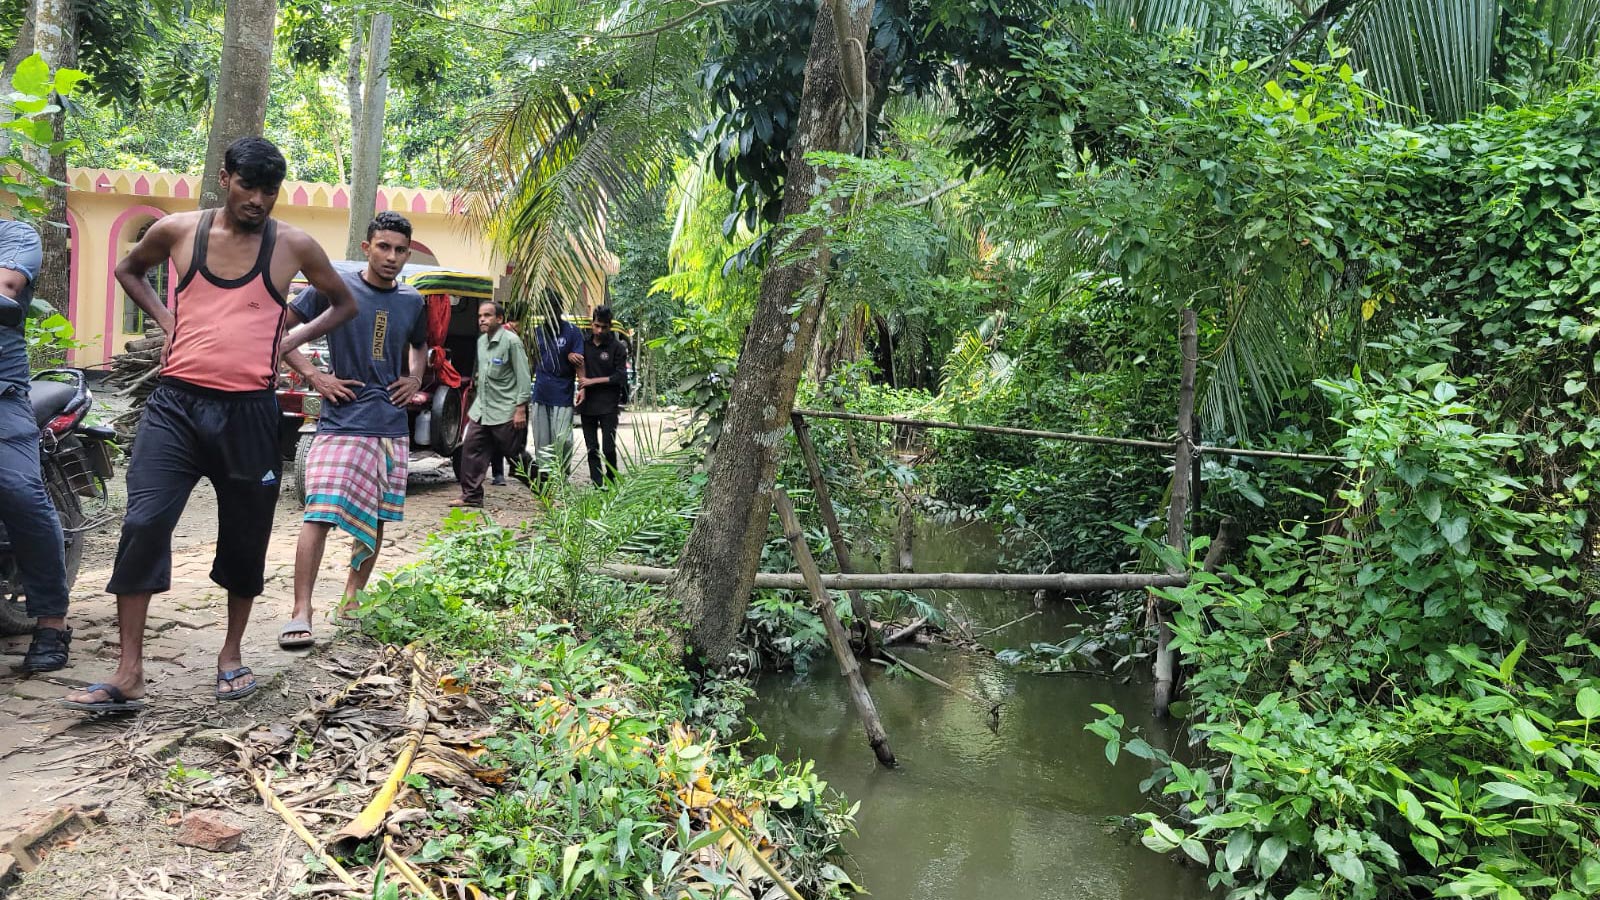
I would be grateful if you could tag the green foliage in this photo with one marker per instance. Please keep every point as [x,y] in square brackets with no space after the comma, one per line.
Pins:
[611,748]
[1399,700]
[34,100]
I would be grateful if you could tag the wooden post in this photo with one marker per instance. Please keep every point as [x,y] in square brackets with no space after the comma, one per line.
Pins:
[841,553]
[905,529]
[1166,659]
[837,638]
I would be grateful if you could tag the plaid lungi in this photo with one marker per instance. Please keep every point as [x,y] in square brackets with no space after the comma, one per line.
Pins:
[356,483]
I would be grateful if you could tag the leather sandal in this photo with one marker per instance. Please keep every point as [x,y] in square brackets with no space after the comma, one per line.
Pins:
[48,652]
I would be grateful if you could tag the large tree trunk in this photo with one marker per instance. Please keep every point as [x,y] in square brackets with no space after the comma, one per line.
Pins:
[240,107]
[55,39]
[719,562]
[367,159]
[20,51]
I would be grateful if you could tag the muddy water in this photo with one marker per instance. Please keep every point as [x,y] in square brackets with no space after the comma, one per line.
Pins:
[974,812]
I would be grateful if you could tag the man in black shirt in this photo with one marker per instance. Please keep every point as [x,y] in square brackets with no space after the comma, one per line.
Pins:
[600,393]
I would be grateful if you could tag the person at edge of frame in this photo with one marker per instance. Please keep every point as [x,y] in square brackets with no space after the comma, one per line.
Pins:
[214,413]
[32,525]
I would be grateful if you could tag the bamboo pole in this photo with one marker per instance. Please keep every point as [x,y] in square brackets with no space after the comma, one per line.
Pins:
[1164,446]
[294,823]
[840,641]
[756,854]
[909,631]
[407,873]
[990,705]
[841,553]
[377,809]
[929,581]
[1166,658]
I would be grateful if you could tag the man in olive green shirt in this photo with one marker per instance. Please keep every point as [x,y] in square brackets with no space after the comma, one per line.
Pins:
[497,423]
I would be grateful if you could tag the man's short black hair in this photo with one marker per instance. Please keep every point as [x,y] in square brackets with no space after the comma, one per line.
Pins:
[256,162]
[389,220]
[602,314]
[499,311]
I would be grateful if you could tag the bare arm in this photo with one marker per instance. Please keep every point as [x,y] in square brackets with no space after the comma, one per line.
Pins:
[333,389]
[400,392]
[12,283]
[154,249]
[519,367]
[322,276]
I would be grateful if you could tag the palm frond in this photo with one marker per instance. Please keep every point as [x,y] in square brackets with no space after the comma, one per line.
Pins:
[587,124]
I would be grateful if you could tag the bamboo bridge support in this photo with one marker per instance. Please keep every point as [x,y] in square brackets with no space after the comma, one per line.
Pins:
[837,637]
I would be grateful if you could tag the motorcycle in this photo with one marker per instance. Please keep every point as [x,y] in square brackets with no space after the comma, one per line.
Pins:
[76,462]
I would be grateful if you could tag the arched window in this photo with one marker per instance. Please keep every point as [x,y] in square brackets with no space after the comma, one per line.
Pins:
[134,319]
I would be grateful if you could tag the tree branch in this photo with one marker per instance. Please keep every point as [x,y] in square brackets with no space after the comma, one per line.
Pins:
[701,6]
[929,198]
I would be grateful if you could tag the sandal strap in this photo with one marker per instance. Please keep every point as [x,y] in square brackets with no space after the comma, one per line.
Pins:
[234,674]
[112,692]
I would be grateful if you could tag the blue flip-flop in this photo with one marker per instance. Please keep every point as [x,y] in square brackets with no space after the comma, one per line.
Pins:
[233,675]
[116,701]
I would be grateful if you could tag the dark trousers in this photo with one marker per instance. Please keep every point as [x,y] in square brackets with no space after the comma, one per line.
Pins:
[478,450]
[32,527]
[600,432]
[188,433]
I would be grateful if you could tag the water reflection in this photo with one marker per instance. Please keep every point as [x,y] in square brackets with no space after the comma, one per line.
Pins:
[976,813]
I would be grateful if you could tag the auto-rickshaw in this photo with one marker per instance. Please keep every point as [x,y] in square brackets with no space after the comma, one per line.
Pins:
[438,411]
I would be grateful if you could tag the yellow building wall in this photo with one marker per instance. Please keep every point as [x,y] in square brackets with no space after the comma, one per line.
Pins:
[107,210]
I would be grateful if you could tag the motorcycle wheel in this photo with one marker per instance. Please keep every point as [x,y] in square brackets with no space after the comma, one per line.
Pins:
[14,618]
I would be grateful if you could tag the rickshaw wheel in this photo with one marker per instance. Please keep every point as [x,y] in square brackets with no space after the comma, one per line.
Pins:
[444,424]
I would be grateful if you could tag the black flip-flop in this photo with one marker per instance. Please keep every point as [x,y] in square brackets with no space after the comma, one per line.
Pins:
[116,701]
[234,675]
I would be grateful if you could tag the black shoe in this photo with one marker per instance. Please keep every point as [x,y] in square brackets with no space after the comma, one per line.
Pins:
[48,652]
[499,482]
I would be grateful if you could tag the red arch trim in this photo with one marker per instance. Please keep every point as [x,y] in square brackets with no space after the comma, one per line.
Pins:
[72,277]
[113,329]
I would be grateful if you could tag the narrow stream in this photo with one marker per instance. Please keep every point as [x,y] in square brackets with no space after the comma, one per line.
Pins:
[975,813]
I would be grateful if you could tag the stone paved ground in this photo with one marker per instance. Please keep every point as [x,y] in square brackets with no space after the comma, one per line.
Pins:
[48,754]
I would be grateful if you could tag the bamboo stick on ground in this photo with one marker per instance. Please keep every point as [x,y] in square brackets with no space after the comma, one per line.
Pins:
[295,825]
[371,818]
[761,860]
[840,641]
[410,875]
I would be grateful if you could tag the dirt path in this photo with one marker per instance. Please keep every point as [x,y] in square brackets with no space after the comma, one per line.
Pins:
[50,756]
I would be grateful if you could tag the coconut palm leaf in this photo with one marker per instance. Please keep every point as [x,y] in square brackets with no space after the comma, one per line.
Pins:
[592,117]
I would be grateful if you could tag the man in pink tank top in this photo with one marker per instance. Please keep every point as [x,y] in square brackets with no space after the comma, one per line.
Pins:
[214,414]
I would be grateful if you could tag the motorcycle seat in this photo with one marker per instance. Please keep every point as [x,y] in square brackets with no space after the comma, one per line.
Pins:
[50,399]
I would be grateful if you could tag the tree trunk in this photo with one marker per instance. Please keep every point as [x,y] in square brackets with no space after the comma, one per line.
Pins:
[55,39]
[243,84]
[352,77]
[20,51]
[367,158]
[719,562]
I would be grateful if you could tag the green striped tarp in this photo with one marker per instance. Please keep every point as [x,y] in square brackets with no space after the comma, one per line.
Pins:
[460,284]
